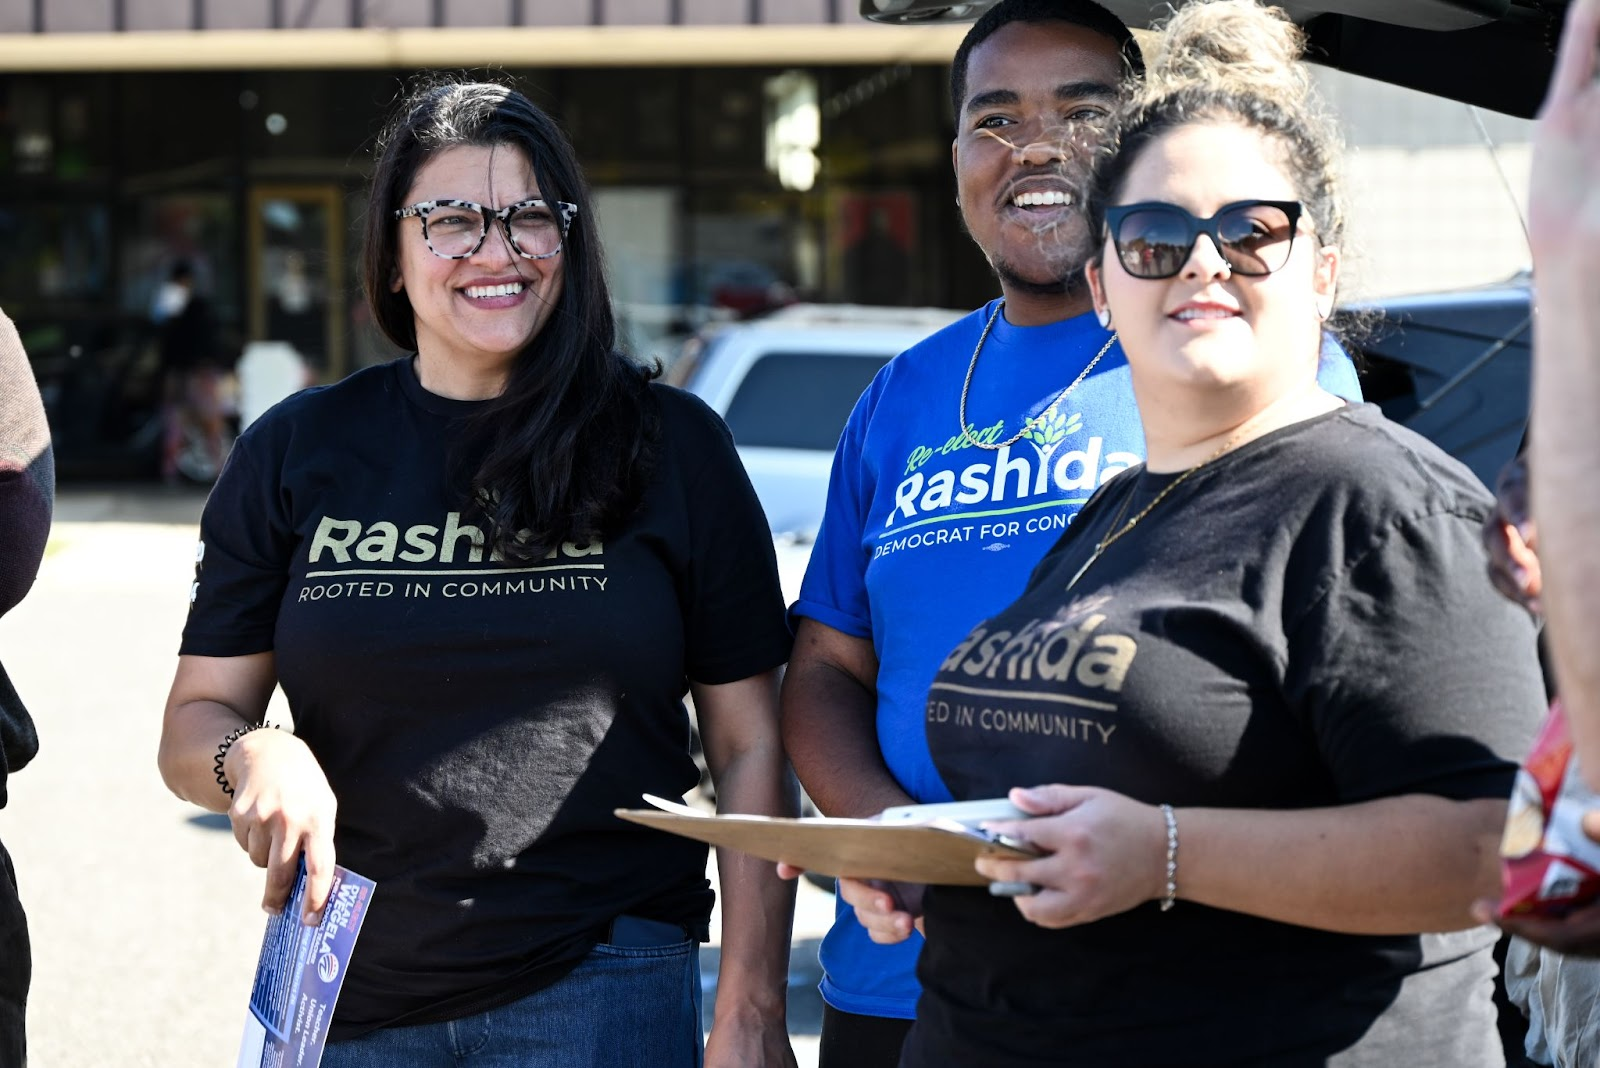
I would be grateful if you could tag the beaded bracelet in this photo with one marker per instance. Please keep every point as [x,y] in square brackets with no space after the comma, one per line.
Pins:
[227,743]
[1171,895]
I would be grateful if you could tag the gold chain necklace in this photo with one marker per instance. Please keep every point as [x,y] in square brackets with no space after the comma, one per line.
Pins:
[973,366]
[1118,531]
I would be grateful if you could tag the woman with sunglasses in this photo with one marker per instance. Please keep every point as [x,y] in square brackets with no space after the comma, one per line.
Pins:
[1276,706]
[485,575]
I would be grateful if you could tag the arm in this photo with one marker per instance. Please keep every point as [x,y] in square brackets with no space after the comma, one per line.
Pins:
[1564,227]
[27,473]
[1511,539]
[830,716]
[282,804]
[1397,865]
[739,727]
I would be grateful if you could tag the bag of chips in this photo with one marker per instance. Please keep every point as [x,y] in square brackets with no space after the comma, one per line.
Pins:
[1548,865]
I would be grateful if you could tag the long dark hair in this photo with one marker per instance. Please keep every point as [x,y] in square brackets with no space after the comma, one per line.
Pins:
[571,441]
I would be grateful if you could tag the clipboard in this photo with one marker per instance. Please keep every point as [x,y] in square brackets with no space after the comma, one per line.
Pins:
[938,851]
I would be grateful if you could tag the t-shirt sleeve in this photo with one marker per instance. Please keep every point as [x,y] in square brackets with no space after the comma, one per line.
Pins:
[1336,372]
[1414,674]
[27,472]
[242,561]
[734,618]
[834,590]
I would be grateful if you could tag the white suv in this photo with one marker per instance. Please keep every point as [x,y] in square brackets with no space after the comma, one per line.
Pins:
[785,384]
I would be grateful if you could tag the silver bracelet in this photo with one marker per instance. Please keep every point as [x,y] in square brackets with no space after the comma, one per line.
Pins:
[1171,895]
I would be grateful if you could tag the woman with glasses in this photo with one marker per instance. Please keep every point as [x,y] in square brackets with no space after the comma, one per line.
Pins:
[1265,707]
[485,575]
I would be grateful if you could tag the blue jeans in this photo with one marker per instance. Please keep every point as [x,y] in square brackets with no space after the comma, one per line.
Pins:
[622,1007]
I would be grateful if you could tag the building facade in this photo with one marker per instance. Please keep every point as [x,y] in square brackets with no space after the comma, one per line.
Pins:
[744,153]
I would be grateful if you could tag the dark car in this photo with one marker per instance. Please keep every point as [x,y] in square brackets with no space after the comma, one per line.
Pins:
[1454,367]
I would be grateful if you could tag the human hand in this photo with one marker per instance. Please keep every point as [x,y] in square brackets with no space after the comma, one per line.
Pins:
[1106,854]
[1512,539]
[283,807]
[1564,183]
[889,911]
[1577,934]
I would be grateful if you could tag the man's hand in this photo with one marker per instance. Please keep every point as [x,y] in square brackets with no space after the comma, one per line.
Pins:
[1512,539]
[889,911]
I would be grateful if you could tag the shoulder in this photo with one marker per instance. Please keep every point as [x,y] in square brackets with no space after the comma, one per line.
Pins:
[363,387]
[683,413]
[932,353]
[1352,491]
[312,414]
[927,366]
[1383,465]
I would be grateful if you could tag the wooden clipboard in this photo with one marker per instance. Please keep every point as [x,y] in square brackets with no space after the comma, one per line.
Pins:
[939,852]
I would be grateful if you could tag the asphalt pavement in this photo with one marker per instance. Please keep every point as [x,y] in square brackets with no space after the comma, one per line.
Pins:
[145,916]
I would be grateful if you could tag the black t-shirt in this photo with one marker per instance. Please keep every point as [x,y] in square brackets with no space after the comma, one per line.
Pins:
[1304,623]
[479,721]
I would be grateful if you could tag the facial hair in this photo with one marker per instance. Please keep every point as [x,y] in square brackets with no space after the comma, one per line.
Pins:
[1073,284]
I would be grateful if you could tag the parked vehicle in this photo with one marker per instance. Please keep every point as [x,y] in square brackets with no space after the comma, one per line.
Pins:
[1455,368]
[785,384]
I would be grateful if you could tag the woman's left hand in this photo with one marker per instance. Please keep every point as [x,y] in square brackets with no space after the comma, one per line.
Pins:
[750,1041]
[1107,854]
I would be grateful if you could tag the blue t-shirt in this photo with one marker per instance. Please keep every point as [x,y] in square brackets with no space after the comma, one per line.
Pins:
[925,534]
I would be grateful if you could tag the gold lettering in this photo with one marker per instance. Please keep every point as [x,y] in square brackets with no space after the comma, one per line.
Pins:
[962,650]
[986,652]
[455,531]
[380,542]
[335,535]
[421,549]
[1106,664]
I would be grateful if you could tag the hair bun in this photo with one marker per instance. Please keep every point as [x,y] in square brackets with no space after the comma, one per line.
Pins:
[1228,44]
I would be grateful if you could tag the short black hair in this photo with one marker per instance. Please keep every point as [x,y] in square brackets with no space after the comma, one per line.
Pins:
[1085,13]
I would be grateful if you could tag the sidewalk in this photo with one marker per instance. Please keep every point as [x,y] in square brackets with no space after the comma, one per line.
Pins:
[129,503]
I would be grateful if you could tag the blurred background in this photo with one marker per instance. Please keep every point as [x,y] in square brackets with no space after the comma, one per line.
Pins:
[746,154]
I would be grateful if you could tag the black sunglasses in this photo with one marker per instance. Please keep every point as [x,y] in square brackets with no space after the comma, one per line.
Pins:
[1155,239]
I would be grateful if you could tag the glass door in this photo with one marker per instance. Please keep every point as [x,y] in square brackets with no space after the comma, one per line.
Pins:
[296,264]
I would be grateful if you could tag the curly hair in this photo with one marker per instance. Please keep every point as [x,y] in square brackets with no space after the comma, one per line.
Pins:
[1228,61]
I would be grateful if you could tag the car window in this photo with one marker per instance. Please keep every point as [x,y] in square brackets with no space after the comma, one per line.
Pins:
[799,400]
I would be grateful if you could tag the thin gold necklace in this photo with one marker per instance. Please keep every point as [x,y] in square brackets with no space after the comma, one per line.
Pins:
[973,366]
[1118,531]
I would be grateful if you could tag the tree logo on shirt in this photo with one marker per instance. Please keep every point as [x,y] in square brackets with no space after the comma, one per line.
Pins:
[1049,429]
[1009,480]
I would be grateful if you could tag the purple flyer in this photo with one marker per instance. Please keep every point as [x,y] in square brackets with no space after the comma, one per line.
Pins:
[299,975]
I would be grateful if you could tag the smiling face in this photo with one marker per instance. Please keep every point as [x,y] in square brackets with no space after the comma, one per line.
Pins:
[1037,96]
[475,314]
[1209,327]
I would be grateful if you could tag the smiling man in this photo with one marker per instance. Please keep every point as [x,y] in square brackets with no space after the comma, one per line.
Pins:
[962,464]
